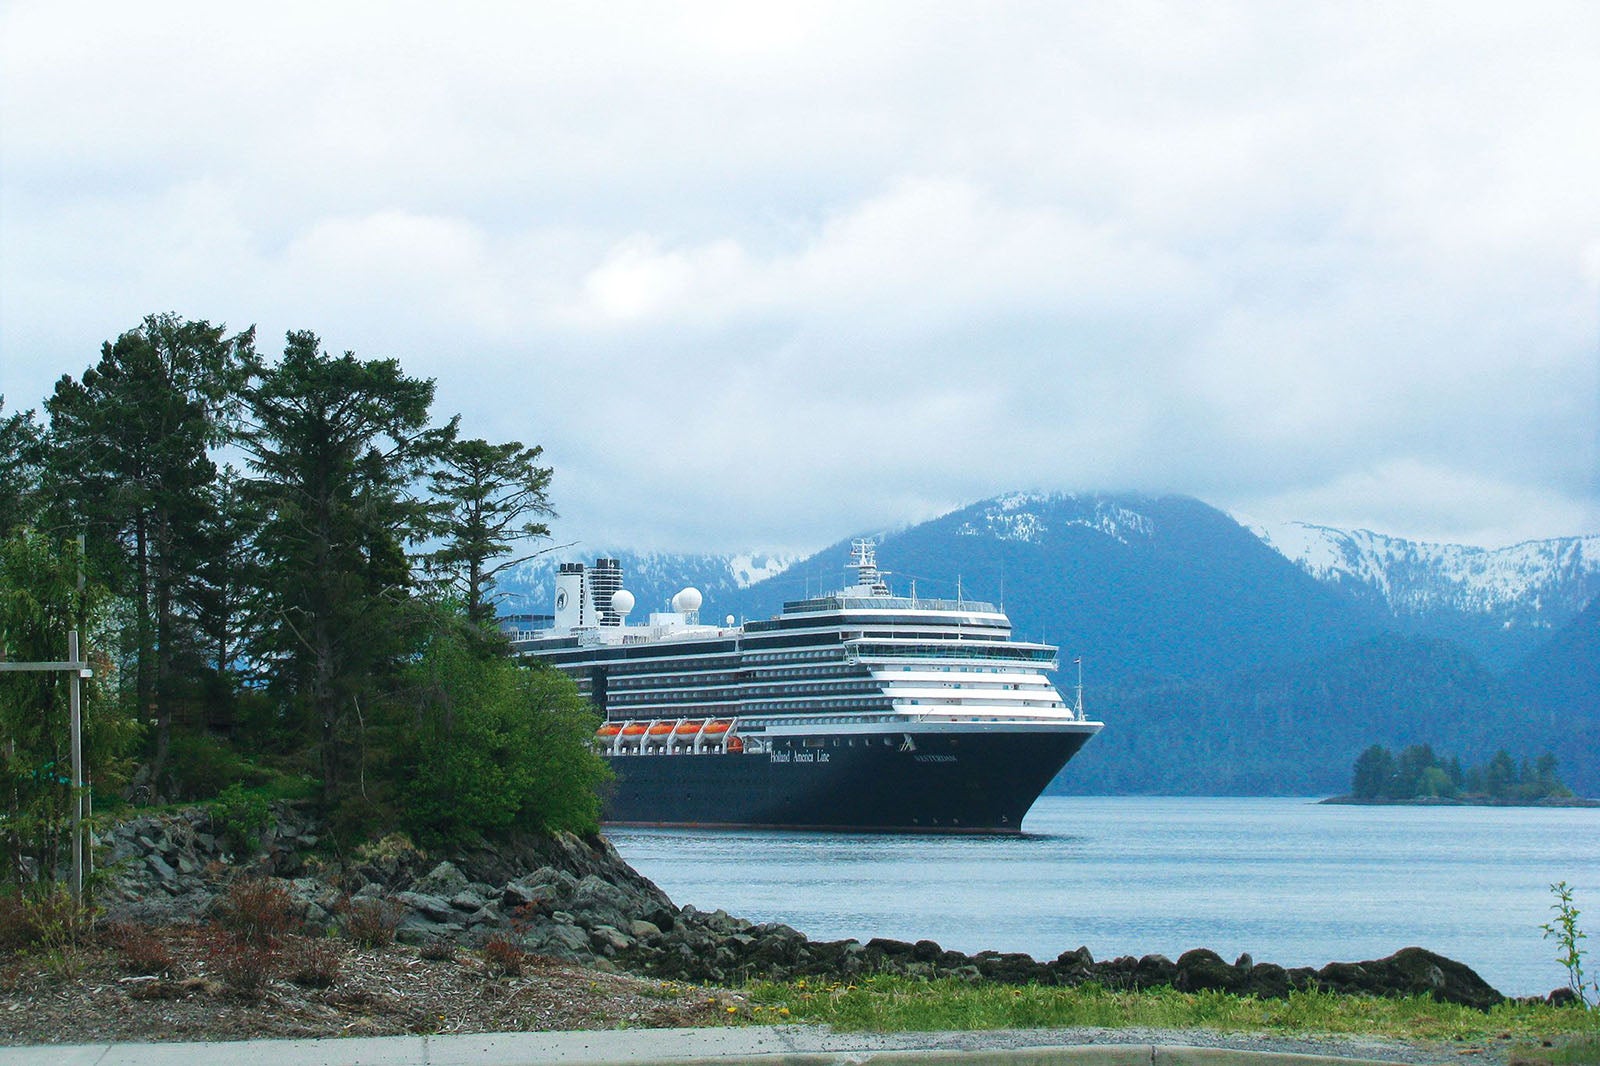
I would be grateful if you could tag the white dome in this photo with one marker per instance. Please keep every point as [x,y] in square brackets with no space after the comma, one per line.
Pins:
[687,600]
[622,602]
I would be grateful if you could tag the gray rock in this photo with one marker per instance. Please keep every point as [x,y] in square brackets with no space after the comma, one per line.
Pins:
[605,936]
[642,929]
[439,910]
[565,942]
[467,900]
[159,865]
[443,880]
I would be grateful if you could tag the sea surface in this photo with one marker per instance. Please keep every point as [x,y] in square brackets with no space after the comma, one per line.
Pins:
[1289,881]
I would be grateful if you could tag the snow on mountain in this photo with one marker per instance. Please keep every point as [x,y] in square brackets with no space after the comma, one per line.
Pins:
[653,577]
[1538,583]
[1017,517]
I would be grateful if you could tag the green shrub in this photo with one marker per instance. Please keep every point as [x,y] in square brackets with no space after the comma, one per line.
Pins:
[239,816]
[502,744]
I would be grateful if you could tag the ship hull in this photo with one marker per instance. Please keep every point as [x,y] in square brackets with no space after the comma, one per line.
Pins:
[967,782]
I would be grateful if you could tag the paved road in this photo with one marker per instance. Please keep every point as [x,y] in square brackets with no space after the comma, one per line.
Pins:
[790,1045]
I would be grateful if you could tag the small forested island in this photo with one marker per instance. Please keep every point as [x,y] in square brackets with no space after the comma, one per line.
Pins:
[1419,776]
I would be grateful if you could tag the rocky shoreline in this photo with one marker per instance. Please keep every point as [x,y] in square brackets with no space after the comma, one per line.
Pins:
[575,900]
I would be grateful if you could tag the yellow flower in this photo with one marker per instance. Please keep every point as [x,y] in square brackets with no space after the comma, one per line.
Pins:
[733,1010]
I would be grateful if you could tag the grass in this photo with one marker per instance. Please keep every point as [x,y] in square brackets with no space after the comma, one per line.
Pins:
[1582,1050]
[903,1004]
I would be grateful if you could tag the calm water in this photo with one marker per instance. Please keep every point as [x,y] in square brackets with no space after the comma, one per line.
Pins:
[1287,880]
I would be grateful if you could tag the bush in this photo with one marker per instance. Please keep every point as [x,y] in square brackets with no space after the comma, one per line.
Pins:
[201,766]
[259,910]
[501,957]
[243,966]
[48,923]
[501,744]
[239,816]
[437,949]
[142,951]
[370,922]
[316,965]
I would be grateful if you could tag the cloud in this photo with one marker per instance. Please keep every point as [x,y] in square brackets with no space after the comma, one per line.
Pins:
[760,276]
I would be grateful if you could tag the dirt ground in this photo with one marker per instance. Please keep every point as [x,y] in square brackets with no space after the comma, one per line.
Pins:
[188,983]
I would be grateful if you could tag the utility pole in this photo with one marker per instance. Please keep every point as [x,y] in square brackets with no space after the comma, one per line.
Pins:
[76,670]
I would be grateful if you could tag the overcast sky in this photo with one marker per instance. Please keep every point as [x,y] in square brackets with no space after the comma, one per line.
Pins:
[764,276]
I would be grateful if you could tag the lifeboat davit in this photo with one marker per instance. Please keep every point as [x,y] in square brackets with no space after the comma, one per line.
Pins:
[689,729]
[633,729]
[660,729]
[610,729]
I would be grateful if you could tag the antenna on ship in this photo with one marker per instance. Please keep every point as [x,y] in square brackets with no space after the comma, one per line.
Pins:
[1079,704]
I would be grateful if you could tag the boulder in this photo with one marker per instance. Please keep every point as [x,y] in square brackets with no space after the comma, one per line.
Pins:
[1203,970]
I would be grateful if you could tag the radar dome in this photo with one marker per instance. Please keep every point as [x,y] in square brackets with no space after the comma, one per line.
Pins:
[686,601]
[622,602]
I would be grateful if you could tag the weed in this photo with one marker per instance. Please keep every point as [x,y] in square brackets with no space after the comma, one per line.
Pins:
[244,966]
[502,957]
[316,964]
[437,949]
[1564,930]
[48,924]
[259,910]
[141,950]
[15,933]
[370,921]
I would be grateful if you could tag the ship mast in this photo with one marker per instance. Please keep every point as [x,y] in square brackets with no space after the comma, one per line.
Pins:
[864,561]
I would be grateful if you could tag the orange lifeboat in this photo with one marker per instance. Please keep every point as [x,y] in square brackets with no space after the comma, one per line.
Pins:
[610,729]
[735,745]
[689,729]
[660,729]
[633,729]
[717,728]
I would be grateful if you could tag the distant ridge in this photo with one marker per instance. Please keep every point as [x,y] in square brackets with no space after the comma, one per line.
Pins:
[1500,602]
[1227,660]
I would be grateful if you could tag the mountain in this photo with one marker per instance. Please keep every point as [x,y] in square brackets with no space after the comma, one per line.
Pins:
[653,577]
[1499,602]
[1297,728]
[1221,662]
[1140,587]
[1561,680]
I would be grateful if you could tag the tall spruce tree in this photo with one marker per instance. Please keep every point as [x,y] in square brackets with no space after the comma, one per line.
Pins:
[20,458]
[337,447]
[129,460]
[489,495]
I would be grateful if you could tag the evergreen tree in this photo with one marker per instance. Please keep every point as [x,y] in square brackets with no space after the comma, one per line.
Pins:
[129,460]
[337,447]
[489,493]
[20,459]
[497,743]
[1373,775]
[1500,776]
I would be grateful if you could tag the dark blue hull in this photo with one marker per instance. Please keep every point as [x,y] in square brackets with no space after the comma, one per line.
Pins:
[973,782]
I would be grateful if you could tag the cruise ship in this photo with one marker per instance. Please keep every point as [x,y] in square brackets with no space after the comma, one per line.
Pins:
[858,710]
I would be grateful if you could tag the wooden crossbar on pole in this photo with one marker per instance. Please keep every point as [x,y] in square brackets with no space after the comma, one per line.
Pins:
[76,669]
